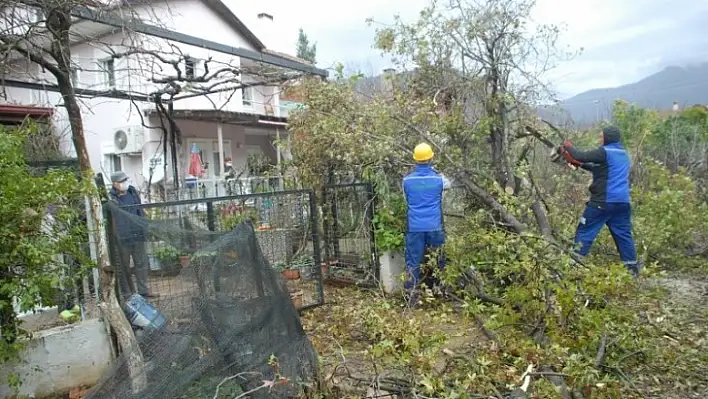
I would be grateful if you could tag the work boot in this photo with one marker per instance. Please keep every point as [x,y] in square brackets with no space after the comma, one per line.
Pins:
[636,268]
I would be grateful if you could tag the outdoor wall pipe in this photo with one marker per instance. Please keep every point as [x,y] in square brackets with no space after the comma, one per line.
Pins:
[173,141]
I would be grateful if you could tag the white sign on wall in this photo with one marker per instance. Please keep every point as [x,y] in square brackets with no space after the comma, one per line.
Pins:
[154,169]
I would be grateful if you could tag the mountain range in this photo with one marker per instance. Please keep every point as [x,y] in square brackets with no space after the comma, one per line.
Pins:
[686,86]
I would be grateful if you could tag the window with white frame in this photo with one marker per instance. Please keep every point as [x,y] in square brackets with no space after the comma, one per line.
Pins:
[39,97]
[114,162]
[247,96]
[215,155]
[190,67]
[75,76]
[36,15]
[108,67]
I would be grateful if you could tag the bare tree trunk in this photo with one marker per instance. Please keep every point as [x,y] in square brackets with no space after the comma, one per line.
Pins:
[497,114]
[109,306]
[542,219]
[60,23]
[493,204]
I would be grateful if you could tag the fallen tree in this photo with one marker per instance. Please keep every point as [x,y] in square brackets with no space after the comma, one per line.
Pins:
[470,95]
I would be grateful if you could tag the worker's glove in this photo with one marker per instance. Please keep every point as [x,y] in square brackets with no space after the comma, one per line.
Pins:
[562,151]
[569,158]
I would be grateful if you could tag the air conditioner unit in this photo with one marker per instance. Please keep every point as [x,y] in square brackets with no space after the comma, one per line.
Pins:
[129,139]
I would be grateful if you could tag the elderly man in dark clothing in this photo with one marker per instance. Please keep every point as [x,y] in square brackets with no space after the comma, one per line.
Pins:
[131,238]
[609,195]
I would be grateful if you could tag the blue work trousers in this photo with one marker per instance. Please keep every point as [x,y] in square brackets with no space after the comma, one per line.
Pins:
[618,218]
[416,245]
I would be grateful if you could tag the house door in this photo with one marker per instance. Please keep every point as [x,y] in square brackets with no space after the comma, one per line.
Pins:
[218,168]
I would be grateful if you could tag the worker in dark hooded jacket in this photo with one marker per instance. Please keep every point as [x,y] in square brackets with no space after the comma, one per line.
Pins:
[609,196]
[423,189]
[131,238]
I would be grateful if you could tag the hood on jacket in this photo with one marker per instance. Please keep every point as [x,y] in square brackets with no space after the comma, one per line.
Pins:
[611,134]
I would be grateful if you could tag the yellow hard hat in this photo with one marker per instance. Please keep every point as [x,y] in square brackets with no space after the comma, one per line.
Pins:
[422,153]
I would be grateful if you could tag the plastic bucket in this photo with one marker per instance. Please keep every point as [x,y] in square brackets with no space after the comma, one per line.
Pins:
[154,264]
[142,314]
[190,182]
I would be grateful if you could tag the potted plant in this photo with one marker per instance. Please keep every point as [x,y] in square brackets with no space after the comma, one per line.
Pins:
[200,257]
[389,232]
[288,272]
[304,264]
[184,260]
[233,215]
[167,257]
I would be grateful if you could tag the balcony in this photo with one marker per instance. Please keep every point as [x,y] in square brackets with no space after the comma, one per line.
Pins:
[207,188]
[260,108]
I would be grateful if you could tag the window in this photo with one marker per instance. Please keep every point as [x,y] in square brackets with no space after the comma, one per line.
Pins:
[218,167]
[75,76]
[116,163]
[247,95]
[109,72]
[190,67]
[36,15]
[39,97]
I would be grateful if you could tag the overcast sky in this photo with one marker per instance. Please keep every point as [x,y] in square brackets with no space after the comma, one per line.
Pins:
[623,40]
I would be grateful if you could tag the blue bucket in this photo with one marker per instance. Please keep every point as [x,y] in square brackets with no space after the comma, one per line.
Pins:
[190,182]
[142,314]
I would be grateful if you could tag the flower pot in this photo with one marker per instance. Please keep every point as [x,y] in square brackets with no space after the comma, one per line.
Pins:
[291,274]
[296,297]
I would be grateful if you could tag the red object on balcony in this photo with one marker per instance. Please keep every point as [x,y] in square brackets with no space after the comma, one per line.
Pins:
[195,162]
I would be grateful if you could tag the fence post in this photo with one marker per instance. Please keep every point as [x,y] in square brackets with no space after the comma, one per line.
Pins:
[316,246]
[335,225]
[211,217]
[211,225]
[326,218]
[370,212]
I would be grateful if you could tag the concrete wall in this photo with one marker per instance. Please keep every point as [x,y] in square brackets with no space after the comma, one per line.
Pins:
[62,358]
[393,265]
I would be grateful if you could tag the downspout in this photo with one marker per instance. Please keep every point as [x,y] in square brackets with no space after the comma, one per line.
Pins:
[173,142]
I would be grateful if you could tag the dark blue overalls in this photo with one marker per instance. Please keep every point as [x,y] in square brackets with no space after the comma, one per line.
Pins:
[609,198]
[423,189]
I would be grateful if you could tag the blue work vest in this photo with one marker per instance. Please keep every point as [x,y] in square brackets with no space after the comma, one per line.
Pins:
[423,189]
[618,168]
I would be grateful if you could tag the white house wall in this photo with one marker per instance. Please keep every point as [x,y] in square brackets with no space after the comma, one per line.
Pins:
[134,74]
[191,17]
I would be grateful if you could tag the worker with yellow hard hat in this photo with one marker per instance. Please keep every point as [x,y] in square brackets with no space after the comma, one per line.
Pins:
[423,189]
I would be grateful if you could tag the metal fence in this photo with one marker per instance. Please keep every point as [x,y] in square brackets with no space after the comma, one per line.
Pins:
[348,232]
[285,224]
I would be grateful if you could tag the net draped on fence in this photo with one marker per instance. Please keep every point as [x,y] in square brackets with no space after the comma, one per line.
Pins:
[237,329]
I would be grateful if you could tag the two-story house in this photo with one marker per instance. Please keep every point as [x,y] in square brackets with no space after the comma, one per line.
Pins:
[199,46]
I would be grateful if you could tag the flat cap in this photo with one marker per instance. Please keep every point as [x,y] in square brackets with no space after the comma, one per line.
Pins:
[118,177]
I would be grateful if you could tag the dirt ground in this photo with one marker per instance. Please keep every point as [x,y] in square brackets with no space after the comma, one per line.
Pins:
[685,319]
[686,307]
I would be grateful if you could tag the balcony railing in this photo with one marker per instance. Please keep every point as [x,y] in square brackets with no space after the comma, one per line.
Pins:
[260,108]
[206,188]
